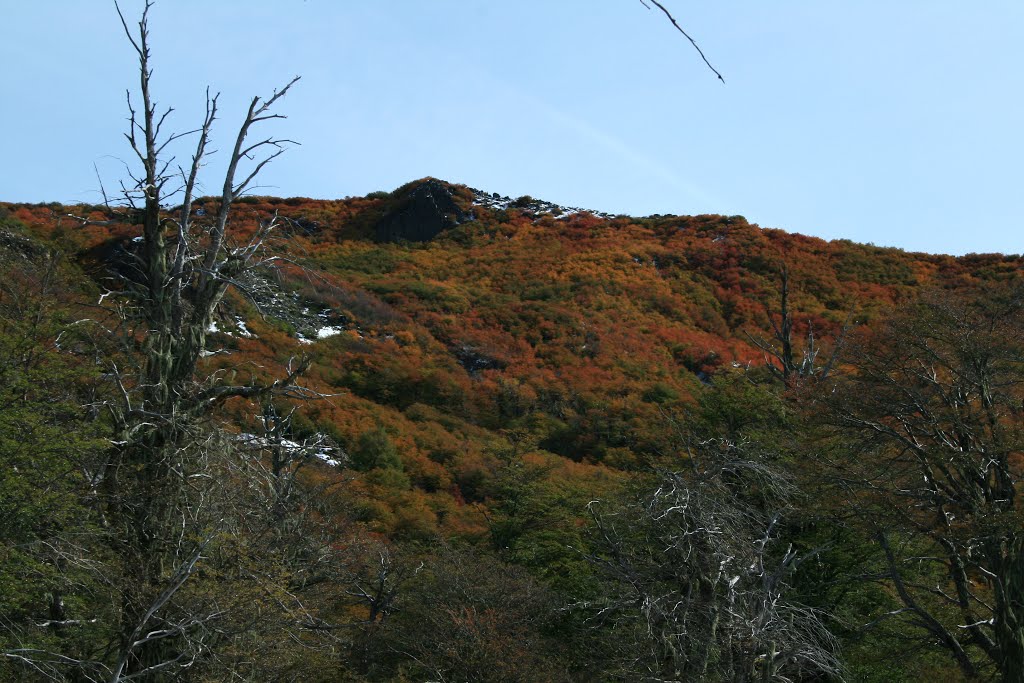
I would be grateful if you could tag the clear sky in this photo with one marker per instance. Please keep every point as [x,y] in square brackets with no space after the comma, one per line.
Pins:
[897,122]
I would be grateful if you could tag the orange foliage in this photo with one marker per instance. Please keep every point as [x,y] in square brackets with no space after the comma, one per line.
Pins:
[579,329]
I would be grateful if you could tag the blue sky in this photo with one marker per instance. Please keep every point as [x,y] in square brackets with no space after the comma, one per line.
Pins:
[896,122]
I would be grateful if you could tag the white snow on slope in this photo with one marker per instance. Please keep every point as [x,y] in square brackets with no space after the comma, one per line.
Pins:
[315,447]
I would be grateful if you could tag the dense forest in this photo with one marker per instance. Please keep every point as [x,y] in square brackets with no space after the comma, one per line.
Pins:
[437,434]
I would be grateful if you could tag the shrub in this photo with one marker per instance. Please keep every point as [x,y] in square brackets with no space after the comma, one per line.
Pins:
[375,450]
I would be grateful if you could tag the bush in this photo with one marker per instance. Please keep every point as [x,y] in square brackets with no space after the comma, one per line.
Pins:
[375,450]
[524,201]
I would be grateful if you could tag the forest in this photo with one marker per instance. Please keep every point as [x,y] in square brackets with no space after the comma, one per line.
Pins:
[438,434]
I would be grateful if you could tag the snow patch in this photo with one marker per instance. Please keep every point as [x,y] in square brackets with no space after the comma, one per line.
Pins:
[242,329]
[325,332]
[536,207]
[315,447]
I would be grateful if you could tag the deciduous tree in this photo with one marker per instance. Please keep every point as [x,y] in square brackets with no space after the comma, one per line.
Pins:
[929,421]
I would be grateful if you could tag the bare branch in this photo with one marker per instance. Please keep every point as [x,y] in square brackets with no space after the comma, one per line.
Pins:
[687,35]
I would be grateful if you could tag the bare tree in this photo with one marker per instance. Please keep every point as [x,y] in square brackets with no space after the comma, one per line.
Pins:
[167,303]
[780,353]
[700,583]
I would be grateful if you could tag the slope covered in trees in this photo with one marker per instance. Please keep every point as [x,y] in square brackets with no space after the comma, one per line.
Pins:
[580,330]
[537,444]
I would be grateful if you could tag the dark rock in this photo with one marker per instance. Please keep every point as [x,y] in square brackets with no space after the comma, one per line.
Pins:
[473,360]
[118,258]
[424,212]
[16,245]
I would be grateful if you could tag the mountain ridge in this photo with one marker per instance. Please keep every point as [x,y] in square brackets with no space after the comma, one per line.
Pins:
[472,197]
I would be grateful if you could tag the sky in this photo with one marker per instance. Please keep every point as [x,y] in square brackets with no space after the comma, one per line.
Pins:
[894,122]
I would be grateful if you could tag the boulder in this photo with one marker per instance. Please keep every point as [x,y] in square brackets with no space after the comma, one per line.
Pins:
[420,215]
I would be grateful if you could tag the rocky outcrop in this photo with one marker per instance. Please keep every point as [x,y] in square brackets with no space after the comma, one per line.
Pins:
[13,246]
[473,360]
[425,211]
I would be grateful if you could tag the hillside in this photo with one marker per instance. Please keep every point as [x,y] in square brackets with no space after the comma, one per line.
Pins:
[500,314]
[480,368]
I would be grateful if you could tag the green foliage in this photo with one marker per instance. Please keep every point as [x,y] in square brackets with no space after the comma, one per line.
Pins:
[372,260]
[737,406]
[523,202]
[49,536]
[926,430]
[661,393]
[375,450]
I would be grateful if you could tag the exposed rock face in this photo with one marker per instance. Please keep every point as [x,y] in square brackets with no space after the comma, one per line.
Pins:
[14,246]
[475,360]
[421,215]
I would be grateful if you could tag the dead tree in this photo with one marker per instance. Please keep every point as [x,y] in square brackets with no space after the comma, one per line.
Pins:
[699,580]
[780,353]
[185,264]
